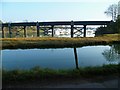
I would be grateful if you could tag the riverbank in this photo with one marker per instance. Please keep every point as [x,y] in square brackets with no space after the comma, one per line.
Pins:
[53,42]
[91,77]
[38,74]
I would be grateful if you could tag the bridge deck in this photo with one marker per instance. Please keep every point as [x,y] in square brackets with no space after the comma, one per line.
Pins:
[58,23]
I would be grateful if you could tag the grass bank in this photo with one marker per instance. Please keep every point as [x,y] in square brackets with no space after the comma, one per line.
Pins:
[39,74]
[49,42]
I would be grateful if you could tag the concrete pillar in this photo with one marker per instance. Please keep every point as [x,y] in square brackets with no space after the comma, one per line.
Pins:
[72,28]
[84,30]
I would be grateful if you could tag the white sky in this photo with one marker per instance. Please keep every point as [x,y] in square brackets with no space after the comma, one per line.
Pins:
[54,10]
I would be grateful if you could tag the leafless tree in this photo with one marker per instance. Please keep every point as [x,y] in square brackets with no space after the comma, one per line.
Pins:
[112,11]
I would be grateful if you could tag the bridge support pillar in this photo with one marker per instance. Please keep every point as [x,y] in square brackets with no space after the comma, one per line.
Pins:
[38,29]
[9,28]
[72,28]
[25,32]
[52,30]
[84,30]
[3,34]
[76,58]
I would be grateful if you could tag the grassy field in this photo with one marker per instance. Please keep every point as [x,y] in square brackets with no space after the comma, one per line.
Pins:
[39,74]
[49,42]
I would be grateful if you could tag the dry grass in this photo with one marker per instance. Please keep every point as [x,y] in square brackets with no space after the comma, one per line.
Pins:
[46,42]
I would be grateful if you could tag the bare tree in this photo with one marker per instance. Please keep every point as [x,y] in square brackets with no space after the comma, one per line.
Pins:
[118,9]
[112,11]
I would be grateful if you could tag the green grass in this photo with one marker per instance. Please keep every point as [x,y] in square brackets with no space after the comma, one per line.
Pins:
[39,74]
[49,42]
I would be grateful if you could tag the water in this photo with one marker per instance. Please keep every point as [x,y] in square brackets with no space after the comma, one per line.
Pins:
[60,58]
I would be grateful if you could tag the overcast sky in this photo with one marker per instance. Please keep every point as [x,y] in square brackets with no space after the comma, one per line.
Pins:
[54,10]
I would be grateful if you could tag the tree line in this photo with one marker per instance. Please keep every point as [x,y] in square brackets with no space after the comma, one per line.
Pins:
[112,28]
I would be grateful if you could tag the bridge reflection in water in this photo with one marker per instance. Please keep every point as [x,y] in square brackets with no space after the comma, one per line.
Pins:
[76,58]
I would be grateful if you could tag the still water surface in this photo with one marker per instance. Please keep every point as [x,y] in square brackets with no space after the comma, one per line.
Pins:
[60,58]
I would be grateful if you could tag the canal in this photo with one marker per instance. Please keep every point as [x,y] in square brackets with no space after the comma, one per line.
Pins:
[61,58]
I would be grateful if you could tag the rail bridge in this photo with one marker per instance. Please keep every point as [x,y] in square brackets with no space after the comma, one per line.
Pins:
[51,25]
